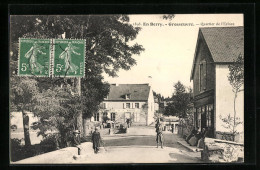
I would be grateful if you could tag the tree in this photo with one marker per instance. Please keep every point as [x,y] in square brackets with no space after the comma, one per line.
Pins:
[170,110]
[107,37]
[168,16]
[236,80]
[58,110]
[160,99]
[23,93]
[108,49]
[179,101]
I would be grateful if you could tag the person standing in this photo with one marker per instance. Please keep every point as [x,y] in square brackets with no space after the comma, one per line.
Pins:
[128,123]
[76,140]
[96,139]
[159,134]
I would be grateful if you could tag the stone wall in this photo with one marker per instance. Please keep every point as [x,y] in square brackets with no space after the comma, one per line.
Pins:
[222,151]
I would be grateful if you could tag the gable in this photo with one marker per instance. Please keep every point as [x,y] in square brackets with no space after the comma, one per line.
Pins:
[202,53]
[225,44]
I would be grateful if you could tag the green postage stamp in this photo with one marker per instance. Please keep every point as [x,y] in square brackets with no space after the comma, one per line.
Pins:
[69,58]
[34,57]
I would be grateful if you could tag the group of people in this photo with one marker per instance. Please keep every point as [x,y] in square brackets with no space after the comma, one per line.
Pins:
[96,140]
[197,137]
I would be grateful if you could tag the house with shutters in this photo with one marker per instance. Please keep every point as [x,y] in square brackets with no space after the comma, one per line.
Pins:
[213,98]
[128,101]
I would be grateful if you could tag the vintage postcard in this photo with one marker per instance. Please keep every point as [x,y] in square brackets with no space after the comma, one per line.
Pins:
[106,89]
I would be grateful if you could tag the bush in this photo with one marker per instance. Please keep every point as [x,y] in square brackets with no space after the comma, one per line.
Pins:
[16,149]
[19,151]
[50,143]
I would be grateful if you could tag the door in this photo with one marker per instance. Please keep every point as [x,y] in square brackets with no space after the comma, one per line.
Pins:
[210,120]
[203,117]
[127,116]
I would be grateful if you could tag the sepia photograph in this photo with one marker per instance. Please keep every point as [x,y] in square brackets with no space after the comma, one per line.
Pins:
[137,88]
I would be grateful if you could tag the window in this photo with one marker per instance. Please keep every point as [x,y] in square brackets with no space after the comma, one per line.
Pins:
[96,117]
[202,75]
[127,96]
[104,105]
[113,116]
[127,105]
[199,117]
[209,115]
[195,117]
[105,114]
[136,105]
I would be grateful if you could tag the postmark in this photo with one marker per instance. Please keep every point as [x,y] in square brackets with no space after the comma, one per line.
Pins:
[68,58]
[34,57]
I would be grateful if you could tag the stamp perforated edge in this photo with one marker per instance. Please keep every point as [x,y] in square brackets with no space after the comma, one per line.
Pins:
[52,58]
[84,58]
[18,71]
[19,48]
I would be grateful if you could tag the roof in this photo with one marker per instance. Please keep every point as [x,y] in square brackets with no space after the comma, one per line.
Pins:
[224,43]
[138,92]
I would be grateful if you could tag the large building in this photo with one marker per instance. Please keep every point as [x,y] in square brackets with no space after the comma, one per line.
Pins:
[217,48]
[128,101]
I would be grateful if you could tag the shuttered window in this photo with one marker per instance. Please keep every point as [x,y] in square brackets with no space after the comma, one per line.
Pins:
[113,116]
[96,116]
[202,76]
[127,105]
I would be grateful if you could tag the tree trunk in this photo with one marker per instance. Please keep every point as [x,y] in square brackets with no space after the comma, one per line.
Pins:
[26,129]
[85,131]
[80,123]
[234,126]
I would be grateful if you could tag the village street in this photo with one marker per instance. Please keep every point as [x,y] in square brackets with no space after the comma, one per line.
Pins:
[137,146]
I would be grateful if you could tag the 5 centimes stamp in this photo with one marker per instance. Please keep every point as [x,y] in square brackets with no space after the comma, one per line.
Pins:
[69,58]
[34,57]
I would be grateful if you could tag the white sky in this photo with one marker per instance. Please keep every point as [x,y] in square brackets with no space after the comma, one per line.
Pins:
[169,50]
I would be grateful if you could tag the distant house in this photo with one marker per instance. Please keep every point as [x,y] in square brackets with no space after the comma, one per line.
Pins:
[171,123]
[156,105]
[128,101]
[213,97]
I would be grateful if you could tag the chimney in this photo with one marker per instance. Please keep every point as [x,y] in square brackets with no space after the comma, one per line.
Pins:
[150,80]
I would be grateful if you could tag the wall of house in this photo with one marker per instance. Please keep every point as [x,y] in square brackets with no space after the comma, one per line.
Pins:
[203,53]
[151,105]
[119,108]
[156,107]
[225,100]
